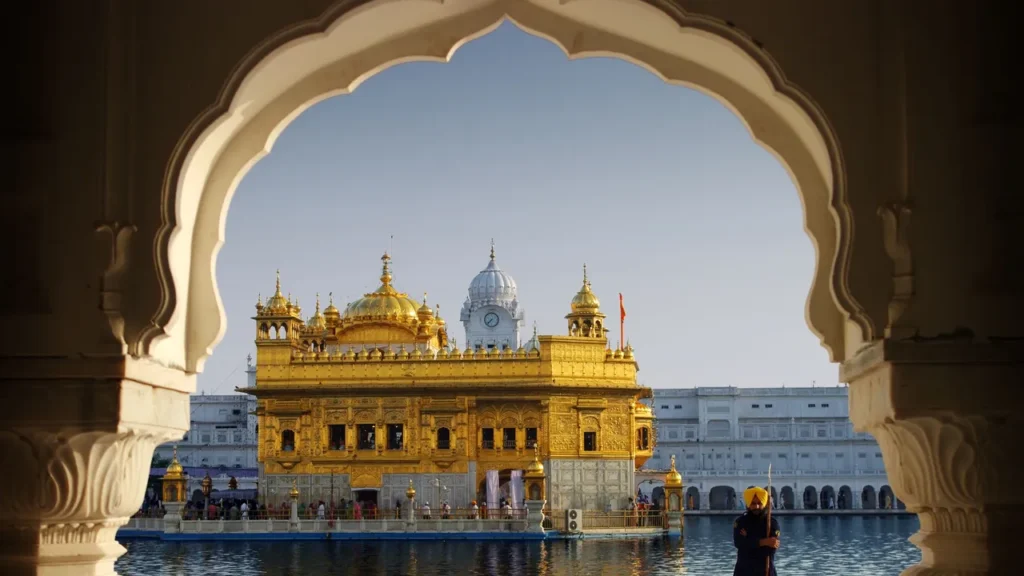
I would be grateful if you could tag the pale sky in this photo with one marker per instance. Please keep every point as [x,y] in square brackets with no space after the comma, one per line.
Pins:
[659,189]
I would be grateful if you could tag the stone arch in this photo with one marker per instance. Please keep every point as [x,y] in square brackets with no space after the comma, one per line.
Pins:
[886,498]
[722,498]
[844,501]
[788,498]
[810,498]
[304,64]
[868,498]
[827,495]
[692,498]
[774,496]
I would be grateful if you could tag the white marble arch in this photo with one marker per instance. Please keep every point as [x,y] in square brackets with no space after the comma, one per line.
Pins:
[335,53]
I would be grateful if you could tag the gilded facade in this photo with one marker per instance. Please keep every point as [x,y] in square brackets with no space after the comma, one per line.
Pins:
[356,403]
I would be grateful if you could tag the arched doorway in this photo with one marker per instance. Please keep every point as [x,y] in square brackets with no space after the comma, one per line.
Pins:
[845,499]
[788,498]
[287,74]
[886,499]
[504,488]
[722,498]
[868,498]
[810,498]
[828,498]
[692,498]
[658,496]
[774,496]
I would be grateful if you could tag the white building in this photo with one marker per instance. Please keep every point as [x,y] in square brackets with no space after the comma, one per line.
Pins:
[222,433]
[725,438]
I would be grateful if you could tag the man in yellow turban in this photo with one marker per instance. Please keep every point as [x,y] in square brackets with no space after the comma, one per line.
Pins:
[755,541]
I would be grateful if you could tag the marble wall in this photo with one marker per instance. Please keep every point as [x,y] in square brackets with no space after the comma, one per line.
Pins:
[589,484]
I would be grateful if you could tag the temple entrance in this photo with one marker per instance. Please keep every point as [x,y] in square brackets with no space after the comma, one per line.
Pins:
[366,497]
[504,491]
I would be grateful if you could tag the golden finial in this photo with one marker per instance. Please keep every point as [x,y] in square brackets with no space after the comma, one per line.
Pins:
[424,298]
[330,298]
[585,281]
[385,275]
[294,492]
[534,328]
[492,248]
[317,303]
[673,463]
[278,281]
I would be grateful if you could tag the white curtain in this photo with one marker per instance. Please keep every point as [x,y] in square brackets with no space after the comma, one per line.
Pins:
[492,489]
[515,488]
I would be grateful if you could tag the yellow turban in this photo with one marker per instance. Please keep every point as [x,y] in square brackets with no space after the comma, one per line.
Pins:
[756,492]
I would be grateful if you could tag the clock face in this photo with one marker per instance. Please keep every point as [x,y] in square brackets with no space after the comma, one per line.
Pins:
[491,320]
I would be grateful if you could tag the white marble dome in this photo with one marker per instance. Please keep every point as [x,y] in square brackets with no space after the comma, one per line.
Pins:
[492,286]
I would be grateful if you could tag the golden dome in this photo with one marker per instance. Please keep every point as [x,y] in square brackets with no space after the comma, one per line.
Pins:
[585,300]
[331,311]
[385,303]
[673,479]
[174,470]
[277,303]
[535,468]
[425,310]
[318,323]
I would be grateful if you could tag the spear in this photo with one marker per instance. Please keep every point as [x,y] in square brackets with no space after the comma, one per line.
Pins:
[768,529]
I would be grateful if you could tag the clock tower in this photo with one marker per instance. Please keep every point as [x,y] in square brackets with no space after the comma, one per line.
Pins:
[491,314]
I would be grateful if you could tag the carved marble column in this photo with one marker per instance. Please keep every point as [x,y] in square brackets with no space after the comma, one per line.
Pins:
[947,417]
[76,442]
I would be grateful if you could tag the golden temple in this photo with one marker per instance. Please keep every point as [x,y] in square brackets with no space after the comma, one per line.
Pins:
[363,403]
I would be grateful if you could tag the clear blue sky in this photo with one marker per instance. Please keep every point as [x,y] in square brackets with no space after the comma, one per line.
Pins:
[659,189]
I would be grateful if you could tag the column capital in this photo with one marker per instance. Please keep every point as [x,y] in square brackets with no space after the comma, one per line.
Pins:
[944,416]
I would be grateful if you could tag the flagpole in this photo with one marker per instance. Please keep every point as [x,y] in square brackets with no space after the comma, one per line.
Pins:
[622,323]
[768,530]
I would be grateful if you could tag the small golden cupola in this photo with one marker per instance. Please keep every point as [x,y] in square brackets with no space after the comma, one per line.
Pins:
[276,318]
[387,318]
[585,318]
[318,322]
[331,313]
[276,305]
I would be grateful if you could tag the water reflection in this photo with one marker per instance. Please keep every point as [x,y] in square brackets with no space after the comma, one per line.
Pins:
[846,545]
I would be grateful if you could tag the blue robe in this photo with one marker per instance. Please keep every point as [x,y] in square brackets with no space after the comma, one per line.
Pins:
[747,531]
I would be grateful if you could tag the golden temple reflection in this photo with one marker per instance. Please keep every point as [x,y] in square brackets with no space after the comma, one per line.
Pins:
[375,399]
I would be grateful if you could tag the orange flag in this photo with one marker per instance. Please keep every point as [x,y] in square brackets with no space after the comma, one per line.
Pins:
[622,308]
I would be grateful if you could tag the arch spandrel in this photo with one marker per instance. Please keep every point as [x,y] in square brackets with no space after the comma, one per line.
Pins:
[354,41]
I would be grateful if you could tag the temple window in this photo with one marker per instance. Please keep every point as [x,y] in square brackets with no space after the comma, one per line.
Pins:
[287,441]
[337,434]
[508,437]
[488,438]
[444,439]
[590,441]
[395,438]
[643,438]
[367,434]
[531,438]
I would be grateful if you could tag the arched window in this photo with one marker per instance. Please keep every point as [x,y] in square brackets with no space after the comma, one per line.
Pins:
[444,439]
[287,441]
[643,438]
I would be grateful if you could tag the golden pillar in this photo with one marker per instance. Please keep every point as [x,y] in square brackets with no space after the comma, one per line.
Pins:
[173,481]
[535,478]
[674,500]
